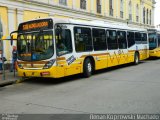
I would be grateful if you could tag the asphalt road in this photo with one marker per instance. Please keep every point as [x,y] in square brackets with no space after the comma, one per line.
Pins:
[126,89]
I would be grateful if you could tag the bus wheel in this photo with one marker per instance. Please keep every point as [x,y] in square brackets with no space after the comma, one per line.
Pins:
[87,68]
[136,58]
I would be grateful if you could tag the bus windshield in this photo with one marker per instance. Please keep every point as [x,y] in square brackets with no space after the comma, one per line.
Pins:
[35,46]
[152,40]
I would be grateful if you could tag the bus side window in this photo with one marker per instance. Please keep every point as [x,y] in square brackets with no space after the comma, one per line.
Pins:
[121,35]
[138,38]
[130,38]
[144,38]
[83,41]
[99,39]
[64,42]
[112,39]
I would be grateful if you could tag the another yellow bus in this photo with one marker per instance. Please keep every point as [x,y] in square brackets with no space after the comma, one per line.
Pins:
[154,42]
[55,48]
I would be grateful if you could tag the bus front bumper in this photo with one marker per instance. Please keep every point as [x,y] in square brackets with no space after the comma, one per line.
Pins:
[37,73]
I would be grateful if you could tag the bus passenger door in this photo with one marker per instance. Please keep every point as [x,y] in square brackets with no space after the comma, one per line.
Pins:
[66,61]
[67,65]
[60,71]
[113,57]
[122,43]
[100,47]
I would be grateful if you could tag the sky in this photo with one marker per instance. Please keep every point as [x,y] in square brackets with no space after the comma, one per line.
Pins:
[157,12]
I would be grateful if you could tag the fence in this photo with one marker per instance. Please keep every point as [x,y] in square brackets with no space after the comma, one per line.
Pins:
[7,72]
[7,66]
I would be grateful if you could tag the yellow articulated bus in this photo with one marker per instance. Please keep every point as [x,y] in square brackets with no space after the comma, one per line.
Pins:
[154,42]
[55,48]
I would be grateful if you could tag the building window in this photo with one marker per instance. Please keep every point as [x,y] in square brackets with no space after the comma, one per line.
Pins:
[121,9]
[1,29]
[98,6]
[144,15]
[111,7]
[137,13]
[83,4]
[63,2]
[1,34]
[147,16]
[150,17]
[130,10]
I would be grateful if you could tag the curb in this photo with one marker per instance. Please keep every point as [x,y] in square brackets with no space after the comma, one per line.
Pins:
[6,83]
[11,82]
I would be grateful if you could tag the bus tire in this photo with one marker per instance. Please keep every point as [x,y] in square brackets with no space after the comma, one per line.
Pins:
[87,68]
[136,58]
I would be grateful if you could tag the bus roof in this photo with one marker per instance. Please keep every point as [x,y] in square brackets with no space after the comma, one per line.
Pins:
[97,23]
[156,30]
[92,23]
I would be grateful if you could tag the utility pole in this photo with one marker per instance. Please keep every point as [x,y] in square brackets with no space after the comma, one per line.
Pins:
[2,49]
[3,66]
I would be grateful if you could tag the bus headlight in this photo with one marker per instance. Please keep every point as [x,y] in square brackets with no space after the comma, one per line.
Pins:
[49,64]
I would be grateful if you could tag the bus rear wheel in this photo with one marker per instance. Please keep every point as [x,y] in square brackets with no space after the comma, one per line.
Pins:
[136,58]
[87,68]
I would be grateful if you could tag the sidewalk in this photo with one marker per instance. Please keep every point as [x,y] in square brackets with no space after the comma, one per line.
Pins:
[9,78]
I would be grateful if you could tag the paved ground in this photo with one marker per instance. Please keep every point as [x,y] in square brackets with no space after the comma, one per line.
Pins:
[9,78]
[126,89]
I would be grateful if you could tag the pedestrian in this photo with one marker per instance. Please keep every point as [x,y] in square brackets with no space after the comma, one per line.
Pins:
[2,60]
[1,66]
[14,58]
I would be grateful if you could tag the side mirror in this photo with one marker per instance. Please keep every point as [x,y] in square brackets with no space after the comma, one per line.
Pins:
[13,36]
[11,40]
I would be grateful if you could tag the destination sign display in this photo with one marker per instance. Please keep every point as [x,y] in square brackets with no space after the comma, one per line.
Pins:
[36,25]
